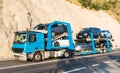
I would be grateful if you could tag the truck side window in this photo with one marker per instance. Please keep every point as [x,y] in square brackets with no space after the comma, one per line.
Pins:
[32,38]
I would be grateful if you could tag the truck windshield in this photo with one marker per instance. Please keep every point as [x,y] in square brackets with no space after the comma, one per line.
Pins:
[20,38]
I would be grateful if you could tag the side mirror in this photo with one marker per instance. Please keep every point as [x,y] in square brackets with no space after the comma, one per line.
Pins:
[113,39]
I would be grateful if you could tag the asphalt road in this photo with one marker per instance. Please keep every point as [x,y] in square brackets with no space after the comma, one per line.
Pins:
[99,63]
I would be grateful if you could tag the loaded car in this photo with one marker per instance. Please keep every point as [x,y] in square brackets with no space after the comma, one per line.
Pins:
[82,47]
[63,41]
[104,44]
[85,33]
[40,27]
[106,32]
[56,29]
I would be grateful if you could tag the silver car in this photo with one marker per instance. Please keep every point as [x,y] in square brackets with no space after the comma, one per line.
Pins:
[106,32]
[82,47]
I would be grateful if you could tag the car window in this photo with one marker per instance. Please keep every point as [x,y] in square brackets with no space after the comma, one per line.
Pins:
[95,30]
[41,27]
[84,30]
[55,25]
[108,31]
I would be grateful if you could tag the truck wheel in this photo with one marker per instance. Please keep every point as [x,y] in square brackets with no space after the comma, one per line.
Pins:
[66,54]
[37,57]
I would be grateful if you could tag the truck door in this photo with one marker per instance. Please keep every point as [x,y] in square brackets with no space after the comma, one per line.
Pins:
[35,42]
[32,42]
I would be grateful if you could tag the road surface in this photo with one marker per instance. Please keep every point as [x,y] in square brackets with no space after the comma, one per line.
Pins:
[98,63]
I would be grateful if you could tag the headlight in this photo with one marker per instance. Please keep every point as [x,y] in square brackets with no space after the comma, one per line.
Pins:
[85,34]
[77,48]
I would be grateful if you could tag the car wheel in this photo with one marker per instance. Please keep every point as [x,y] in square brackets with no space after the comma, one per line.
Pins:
[77,37]
[111,37]
[37,57]
[105,49]
[56,44]
[104,36]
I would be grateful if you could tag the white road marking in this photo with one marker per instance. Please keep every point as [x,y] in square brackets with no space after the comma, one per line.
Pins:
[36,63]
[75,69]
[107,62]
[111,60]
[95,65]
[41,62]
[56,60]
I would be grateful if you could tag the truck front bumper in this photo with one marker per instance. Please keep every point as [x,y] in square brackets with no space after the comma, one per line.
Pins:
[20,56]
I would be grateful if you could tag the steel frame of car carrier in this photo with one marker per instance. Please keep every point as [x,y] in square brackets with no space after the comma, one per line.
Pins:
[94,50]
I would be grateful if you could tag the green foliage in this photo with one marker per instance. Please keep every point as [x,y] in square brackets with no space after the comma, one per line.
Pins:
[85,3]
[96,6]
[106,5]
[117,13]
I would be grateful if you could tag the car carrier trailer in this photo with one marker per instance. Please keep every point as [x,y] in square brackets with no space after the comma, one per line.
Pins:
[37,45]
[93,50]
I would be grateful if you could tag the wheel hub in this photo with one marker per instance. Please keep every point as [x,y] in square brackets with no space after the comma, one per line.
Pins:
[37,57]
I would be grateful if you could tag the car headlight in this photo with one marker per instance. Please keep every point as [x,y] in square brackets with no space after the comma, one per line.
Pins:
[77,48]
[85,34]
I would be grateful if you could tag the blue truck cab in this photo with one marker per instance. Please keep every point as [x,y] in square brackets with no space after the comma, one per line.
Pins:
[37,44]
[27,42]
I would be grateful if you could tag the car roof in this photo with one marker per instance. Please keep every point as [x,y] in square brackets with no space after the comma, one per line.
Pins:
[105,30]
[94,28]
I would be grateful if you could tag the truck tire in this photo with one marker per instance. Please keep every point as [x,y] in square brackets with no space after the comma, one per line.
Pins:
[67,54]
[37,57]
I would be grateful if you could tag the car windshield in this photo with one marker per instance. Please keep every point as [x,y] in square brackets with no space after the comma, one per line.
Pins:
[41,27]
[95,30]
[20,38]
[106,31]
[83,30]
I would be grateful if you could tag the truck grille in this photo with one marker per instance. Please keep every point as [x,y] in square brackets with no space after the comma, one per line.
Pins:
[17,50]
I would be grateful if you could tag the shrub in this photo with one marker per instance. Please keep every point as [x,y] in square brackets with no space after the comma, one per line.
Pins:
[106,5]
[117,13]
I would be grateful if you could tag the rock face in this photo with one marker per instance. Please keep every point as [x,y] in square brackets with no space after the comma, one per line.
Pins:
[24,14]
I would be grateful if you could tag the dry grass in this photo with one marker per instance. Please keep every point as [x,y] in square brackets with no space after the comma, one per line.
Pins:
[74,1]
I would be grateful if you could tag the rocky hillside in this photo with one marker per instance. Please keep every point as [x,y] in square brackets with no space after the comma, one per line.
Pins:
[20,14]
[112,7]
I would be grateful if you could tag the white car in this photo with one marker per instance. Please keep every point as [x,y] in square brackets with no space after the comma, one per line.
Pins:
[61,43]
